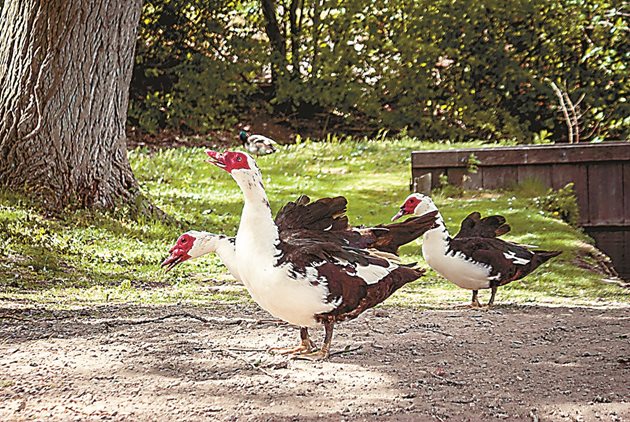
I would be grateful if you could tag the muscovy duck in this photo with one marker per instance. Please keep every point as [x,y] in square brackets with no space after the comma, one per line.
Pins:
[474,259]
[311,279]
[257,144]
[325,213]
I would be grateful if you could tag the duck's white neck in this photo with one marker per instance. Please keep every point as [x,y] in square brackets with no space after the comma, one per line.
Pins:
[257,232]
[439,233]
[438,236]
[223,247]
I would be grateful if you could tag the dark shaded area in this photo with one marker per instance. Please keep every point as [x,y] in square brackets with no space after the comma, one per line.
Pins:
[614,241]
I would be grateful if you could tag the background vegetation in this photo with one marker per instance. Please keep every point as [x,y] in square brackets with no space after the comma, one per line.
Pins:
[441,69]
[87,258]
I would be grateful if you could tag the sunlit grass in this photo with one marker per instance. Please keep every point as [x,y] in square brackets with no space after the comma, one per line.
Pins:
[91,258]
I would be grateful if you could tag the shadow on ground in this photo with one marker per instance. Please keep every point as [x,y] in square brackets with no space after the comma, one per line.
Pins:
[125,362]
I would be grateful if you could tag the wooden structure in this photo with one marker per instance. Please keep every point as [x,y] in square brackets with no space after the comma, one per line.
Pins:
[600,173]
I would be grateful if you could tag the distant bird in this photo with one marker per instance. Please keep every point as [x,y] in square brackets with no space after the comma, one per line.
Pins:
[474,259]
[312,277]
[257,144]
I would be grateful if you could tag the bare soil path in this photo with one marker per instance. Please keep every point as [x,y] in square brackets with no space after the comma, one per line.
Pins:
[510,363]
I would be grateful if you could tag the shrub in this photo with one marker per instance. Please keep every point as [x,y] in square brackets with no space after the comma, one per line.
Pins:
[561,203]
[439,69]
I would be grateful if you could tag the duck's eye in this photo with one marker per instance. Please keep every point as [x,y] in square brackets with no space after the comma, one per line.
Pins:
[184,240]
[239,158]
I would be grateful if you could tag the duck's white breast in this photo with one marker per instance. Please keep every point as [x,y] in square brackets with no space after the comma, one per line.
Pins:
[285,294]
[455,267]
[293,299]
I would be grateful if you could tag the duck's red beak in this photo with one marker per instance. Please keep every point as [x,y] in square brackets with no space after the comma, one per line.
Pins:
[399,214]
[216,158]
[176,257]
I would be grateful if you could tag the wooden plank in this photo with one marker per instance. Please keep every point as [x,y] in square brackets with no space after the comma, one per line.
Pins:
[542,173]
[456,176]
[461,177]
[499,177]
[605,194]
[473,181]
[450,158]
[435,175]
[561,174]
[417,172]
[531,154]
[600,173]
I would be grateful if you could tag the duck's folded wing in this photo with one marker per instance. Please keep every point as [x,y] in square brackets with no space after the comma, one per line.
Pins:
[508,261]
[356,279]
[325,214]
[475,226]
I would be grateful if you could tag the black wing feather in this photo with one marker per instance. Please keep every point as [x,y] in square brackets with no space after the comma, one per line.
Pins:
[489,227]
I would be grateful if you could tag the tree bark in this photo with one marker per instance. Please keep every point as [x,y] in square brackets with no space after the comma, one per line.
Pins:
[276,38]
[65,70]
[295,35]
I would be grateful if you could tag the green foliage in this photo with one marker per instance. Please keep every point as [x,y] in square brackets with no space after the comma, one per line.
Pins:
[542,137]
[438,69]
[196,65]
[448,190]
[472,163]
[560,203]
[92,258]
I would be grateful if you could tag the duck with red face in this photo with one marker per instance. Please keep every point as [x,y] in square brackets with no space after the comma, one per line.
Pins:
[194,244]
[307,278]
[475,258]
[231,161]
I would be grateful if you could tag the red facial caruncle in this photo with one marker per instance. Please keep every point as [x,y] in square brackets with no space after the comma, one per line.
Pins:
[408,207]
[229,160]
[179,252]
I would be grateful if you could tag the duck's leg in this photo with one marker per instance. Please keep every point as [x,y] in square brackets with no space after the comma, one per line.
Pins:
[494,292]
[475,301]
[305,346]
[324,352]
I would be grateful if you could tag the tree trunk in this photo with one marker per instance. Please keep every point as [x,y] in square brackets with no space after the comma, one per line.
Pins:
[295,36]
[277,40]
[65,70]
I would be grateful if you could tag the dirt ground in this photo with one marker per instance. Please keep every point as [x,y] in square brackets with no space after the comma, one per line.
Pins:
[124,363]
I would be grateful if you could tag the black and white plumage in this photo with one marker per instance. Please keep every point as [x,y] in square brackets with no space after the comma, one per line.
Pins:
[258,144]
[309,278]
[324,214]
[475,258]
[295,220]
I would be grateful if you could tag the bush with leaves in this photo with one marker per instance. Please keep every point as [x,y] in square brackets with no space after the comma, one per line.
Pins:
[440,69]
[197,65]
[561,203]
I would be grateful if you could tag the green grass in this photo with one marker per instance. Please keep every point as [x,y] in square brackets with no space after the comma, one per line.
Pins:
[90,258]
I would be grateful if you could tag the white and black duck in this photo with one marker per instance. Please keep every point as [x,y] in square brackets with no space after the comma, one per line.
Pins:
[257,144]
[475,258]
[306,279]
